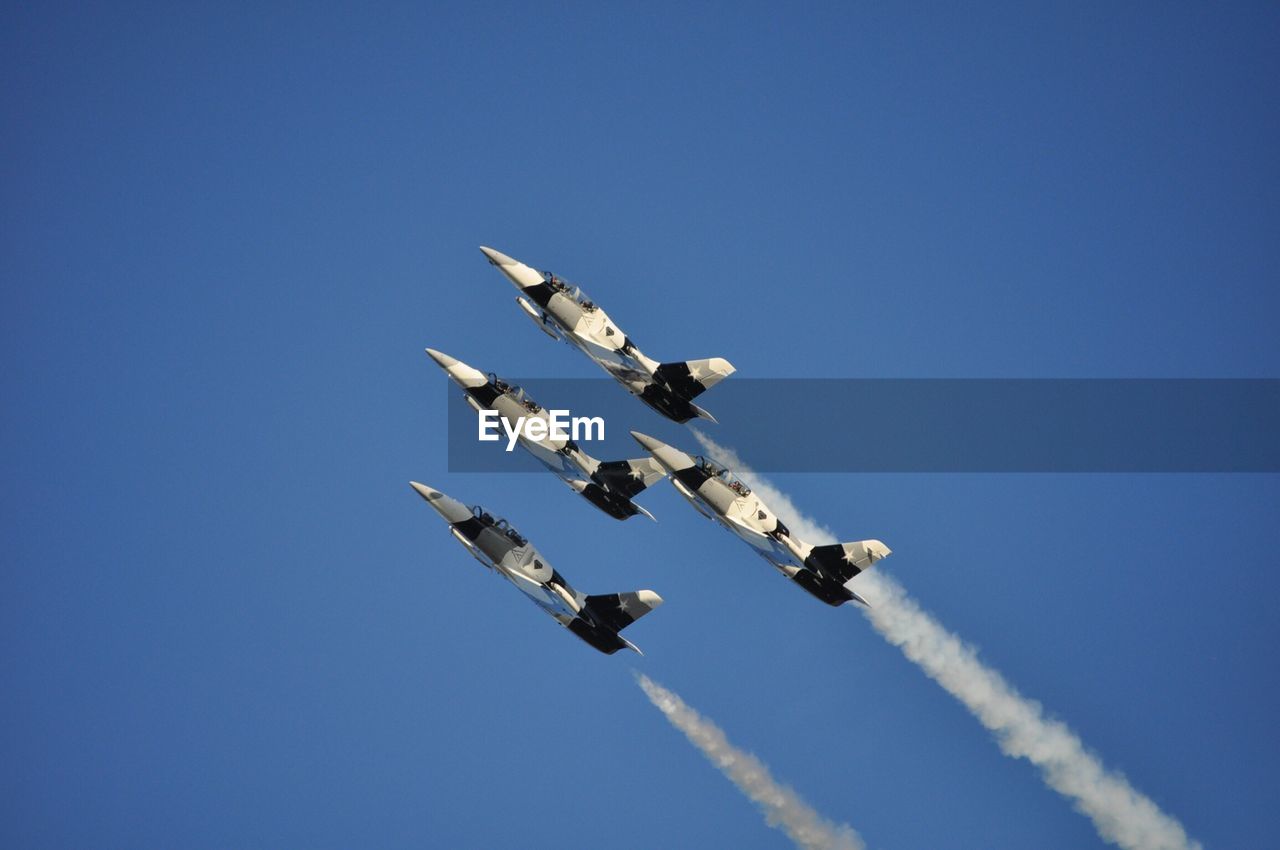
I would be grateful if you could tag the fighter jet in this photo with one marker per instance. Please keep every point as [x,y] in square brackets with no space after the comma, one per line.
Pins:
[719,496]
[494,543]
[609,485]
[563,311]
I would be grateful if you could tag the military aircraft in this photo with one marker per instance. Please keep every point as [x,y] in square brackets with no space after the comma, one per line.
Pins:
[609,485]
[494,543]
[821,570]
[563,311]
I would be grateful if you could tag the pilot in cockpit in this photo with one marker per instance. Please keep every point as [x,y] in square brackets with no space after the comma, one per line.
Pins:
[724,475]
[512,535]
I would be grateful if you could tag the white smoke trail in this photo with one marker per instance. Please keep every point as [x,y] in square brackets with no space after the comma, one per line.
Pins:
[783,809]
[1121,814]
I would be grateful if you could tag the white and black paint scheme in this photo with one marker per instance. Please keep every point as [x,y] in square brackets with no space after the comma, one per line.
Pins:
[824,571]
[494,543]
[609,485]
[563,311]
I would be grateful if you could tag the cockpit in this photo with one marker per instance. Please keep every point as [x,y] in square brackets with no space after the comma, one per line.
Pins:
[714,470]
[499,384]
[566,288]
[499,525]
[515,391]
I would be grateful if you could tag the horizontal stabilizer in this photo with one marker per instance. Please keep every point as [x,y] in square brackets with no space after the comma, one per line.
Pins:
[828,590]
[703,414]
[689,379]
[843,561]
[616,611]
[614,504]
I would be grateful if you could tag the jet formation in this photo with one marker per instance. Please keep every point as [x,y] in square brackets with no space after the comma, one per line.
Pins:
[564,312]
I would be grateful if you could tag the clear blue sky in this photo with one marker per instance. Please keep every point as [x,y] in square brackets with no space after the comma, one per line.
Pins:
[229,233]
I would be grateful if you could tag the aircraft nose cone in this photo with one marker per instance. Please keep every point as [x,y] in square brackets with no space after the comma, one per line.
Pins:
[668,457]
[426,492]
[497,257]
[451,509]
[515,271]
[649,443]
[462,374]
[444,360]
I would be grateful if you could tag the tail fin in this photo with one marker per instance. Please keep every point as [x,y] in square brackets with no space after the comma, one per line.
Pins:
[843,561]
[616,611]
[691,378]
[629,477]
